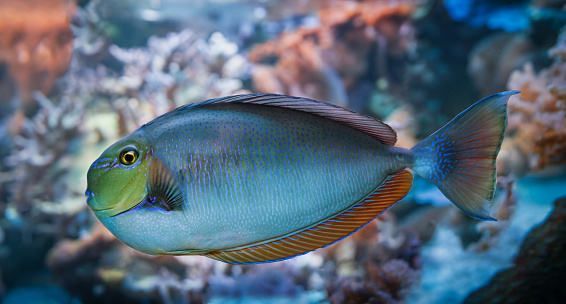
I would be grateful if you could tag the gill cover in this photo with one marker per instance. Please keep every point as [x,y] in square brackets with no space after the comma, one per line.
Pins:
[117,180]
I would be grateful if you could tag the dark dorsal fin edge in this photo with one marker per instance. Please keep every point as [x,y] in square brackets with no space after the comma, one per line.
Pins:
[369,125]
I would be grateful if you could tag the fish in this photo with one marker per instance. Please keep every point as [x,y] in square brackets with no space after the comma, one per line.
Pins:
[264,177]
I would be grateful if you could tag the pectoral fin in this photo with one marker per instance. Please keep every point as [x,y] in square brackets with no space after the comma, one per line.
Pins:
[323,233]
[164,190]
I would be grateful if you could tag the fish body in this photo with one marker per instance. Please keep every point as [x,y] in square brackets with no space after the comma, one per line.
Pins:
[259,178]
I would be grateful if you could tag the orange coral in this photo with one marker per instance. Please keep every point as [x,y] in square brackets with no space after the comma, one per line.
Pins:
[537,116]
[324,62]
[36,42]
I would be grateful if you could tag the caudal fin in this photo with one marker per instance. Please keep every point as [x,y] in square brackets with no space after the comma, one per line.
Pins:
[459,158]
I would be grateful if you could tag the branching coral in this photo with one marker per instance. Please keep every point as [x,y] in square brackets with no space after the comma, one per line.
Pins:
[327,61]
[42,194]
[171,71]
[537,116]
[36,42]
[40,162]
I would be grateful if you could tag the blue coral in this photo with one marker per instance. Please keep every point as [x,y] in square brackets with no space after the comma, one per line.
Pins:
[510,16]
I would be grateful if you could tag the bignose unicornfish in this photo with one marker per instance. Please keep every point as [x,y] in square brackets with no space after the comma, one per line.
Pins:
[264,177]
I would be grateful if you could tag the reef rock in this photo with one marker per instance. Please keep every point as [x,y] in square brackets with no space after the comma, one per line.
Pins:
[540,267]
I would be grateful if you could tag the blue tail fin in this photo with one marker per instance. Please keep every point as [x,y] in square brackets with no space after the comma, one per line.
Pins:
[459,158]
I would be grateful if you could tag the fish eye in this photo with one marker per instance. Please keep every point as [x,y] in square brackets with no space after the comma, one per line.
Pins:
[128,156]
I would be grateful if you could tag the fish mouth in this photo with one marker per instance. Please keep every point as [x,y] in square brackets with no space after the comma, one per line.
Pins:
[89,195]
[91,202]
[95,206]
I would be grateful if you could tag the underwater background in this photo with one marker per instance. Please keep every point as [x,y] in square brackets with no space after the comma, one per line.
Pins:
[75,76]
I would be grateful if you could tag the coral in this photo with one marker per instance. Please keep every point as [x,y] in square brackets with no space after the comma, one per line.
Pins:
[328,61]
[539,268]
[37,52]
[91,33]
[378,264]
[171,71]
[388,283]
[263,281]
[40,172]
[537,116]
[38,156]
[41,193]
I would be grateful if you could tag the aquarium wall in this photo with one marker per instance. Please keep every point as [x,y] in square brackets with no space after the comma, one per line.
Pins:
[78,75]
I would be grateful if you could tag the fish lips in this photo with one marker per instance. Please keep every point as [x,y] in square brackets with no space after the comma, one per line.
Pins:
[89,195]
[93,203]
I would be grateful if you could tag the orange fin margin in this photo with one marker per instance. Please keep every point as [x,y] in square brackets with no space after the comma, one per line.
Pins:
[326,232]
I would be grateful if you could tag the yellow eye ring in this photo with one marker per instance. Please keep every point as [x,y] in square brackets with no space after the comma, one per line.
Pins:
[128,156]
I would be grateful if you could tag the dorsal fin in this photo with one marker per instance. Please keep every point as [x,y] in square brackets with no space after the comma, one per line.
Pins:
[323,233]
[384,133]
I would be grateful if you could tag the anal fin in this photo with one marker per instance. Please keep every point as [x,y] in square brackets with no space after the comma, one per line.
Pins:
[326,232]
